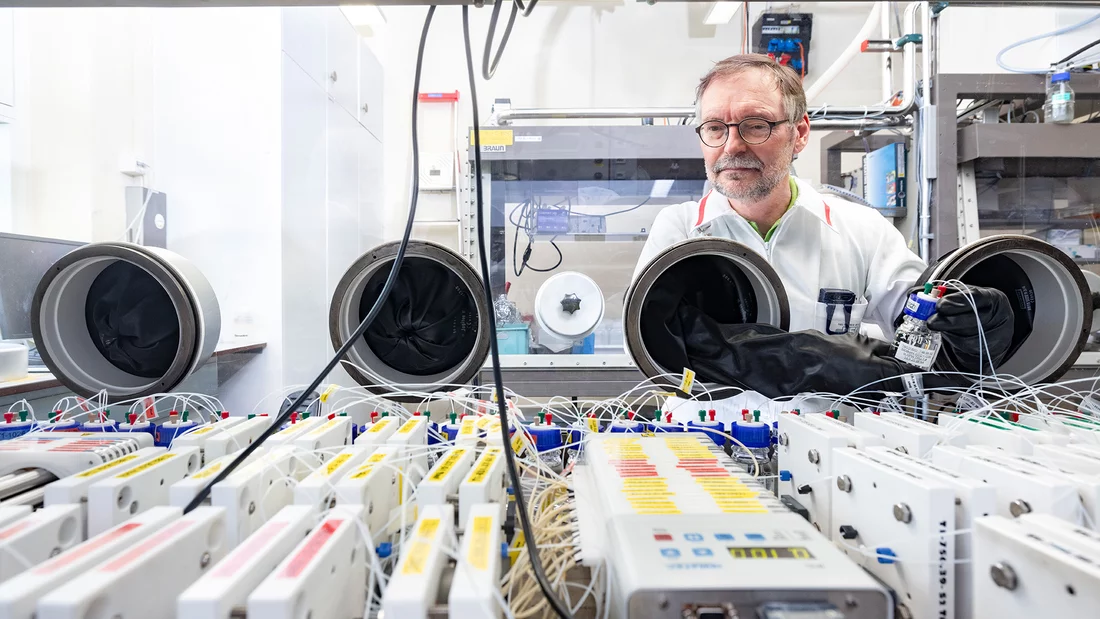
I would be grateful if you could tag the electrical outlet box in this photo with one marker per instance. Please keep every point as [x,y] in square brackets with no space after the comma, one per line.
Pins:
[437,171]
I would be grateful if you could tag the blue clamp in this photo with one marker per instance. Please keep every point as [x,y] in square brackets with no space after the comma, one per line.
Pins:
[504,550]
[884,555]
[384,550]
[784,476]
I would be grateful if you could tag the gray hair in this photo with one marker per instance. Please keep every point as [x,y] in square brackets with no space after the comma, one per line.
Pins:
[788,82]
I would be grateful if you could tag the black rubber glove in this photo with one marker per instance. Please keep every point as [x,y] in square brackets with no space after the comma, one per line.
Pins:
[956,320]
[776,363]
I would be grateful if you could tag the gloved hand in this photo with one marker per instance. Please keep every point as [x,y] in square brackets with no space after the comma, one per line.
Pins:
[956,320]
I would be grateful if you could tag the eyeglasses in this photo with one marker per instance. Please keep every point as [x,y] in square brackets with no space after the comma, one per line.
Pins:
[714,133]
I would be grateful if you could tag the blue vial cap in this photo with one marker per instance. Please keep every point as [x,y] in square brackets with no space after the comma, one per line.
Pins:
[753,434]
[920,308]
[784,475]
[546,437]
[884,555]
[1062,76]
[504,550]
[511,491]
[384,550]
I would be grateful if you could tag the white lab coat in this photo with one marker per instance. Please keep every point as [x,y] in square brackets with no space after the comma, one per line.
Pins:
[821,242]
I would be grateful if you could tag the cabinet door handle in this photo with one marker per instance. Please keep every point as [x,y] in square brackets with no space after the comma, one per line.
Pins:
[332,76]
[365,108]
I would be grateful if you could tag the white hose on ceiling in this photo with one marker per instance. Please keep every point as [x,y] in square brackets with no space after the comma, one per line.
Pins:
[866,32]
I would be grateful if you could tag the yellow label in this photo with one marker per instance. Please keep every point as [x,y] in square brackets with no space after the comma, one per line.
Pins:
[652,481]
[208,471]
[379,426]
[428,527]
[650,512]
[202,431]
[144,467]
[294,428]
[328,392]
[494,137]
[478,556]
[517,444]
[593,424]
[688,381]
[416,558]
[409,426]
[447,465]
[468,428]
[332,423]
[365,470]
[482,422]
[481,471]
[106,467]
[632,494]
[336,463]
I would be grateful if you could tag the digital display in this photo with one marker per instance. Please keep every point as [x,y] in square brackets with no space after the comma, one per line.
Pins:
[778,552]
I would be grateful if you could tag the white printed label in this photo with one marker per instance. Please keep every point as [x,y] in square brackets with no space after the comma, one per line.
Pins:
[914,385]
[1061,97]
[913,355]
[528,138]
[912,305]
[970,402]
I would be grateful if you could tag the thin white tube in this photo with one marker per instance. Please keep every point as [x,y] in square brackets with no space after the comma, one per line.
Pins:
[848,54]
[887,73]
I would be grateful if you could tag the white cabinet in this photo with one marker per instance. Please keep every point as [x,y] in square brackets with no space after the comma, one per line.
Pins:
[304,226]
[343,193]
[303,38]
[7,61]
[343,61]
[324,219]
[371,213]
[370,90]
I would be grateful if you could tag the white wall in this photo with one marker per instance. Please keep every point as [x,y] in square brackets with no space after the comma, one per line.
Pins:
[607,55]
[216,119]
[971,37]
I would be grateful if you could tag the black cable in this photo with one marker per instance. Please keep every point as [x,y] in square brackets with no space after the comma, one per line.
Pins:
[391,279]
[487,70]
[530,7]
[498,380]
[625,210]
[1076,53]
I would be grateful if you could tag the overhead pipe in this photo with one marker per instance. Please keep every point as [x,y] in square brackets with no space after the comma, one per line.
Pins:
[873,113]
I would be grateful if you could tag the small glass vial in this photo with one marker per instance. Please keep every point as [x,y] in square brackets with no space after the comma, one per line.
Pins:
[914,342]
[1059,106]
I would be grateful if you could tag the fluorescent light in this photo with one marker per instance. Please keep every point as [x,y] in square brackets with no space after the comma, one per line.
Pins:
[721,13]
[661,188]
[364,15]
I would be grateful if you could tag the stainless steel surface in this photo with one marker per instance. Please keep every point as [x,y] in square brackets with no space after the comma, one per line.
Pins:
[30,497]
[1018,508]
[983,140]
[582,383]
[950,87]
[902,513]
[24,480]
[1004,576]
[844,483]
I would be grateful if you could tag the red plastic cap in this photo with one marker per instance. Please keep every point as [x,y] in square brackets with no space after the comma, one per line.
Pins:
[438,97]
[225,414]
[415,414]
[863,46]
[8,417]
[294,417]
[133,418]
[373,416]
[876,413]
[332,415]
[630,415]
[712,413]
[549,418]
[668,417]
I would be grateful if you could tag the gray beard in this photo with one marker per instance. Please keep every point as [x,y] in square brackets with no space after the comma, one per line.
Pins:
[753,192]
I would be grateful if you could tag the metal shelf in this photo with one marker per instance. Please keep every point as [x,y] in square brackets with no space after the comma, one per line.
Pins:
[598,237]
[1031,140]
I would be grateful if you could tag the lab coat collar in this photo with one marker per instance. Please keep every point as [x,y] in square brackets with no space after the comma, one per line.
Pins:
[715,205]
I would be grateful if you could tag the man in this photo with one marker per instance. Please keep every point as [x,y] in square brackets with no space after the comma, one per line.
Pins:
[751,121]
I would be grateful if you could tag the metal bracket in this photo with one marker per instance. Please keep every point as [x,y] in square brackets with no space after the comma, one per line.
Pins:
[967,206]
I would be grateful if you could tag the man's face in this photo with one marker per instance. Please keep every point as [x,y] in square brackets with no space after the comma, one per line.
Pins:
[749,172]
